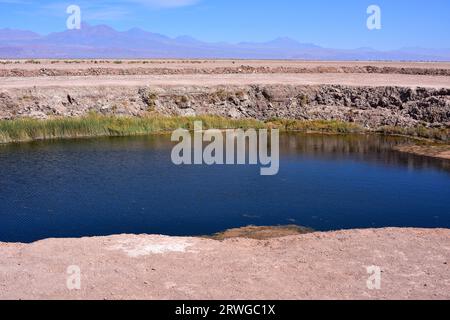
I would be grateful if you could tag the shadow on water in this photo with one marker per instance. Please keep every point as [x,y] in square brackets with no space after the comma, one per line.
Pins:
[108,186]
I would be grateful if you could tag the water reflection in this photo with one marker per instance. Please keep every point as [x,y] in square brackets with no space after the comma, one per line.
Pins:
[367,148]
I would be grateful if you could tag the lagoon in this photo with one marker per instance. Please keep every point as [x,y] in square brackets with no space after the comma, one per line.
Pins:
[114,185]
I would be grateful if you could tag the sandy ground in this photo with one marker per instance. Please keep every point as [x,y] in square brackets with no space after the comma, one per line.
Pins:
[414,264]
[230,79]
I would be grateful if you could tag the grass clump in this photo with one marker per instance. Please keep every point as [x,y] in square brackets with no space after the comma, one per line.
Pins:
[32,61]
[441,134]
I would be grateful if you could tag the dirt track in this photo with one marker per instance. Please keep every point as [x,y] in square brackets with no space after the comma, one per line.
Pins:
[414,265]
[357,79]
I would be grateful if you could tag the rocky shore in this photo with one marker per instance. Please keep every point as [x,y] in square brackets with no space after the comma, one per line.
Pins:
[413,264]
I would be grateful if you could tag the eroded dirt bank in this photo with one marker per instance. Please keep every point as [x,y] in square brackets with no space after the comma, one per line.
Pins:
[37,68]
[373,94]
[370,107]
[414,265]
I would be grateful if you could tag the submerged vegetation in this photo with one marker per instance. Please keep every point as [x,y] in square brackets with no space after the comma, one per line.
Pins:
[95,125]
[261,233]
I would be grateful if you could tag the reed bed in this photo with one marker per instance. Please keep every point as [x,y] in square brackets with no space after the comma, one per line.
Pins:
[94,125]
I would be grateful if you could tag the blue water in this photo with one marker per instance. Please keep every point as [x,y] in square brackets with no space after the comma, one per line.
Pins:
[129,185]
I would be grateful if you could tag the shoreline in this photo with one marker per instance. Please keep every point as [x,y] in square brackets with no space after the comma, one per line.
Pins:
[423,140]
[319,265]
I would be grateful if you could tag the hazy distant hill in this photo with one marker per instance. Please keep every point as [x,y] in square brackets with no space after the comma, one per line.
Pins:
[104,42]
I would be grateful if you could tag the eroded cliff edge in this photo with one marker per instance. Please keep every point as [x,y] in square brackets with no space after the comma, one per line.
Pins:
[371,107]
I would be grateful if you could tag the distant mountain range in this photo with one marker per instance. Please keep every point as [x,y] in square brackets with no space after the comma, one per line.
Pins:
[104,42]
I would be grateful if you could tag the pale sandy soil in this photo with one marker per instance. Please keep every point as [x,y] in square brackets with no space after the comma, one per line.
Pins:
[356,79]
[414,265]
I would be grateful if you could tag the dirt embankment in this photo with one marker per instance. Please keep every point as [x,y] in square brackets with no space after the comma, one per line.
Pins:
[371,107]
[36,68]
[243,69]
[412,264]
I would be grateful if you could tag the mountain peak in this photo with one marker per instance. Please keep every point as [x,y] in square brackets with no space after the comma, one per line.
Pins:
[101,28]
[187,39]
[287,42]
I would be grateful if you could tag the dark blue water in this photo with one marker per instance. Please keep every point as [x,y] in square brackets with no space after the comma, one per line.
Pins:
[129,185]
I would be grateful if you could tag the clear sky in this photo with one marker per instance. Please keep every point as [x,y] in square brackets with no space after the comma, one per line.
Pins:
[329,23]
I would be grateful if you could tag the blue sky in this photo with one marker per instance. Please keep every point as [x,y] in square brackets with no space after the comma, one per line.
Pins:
[329,23]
